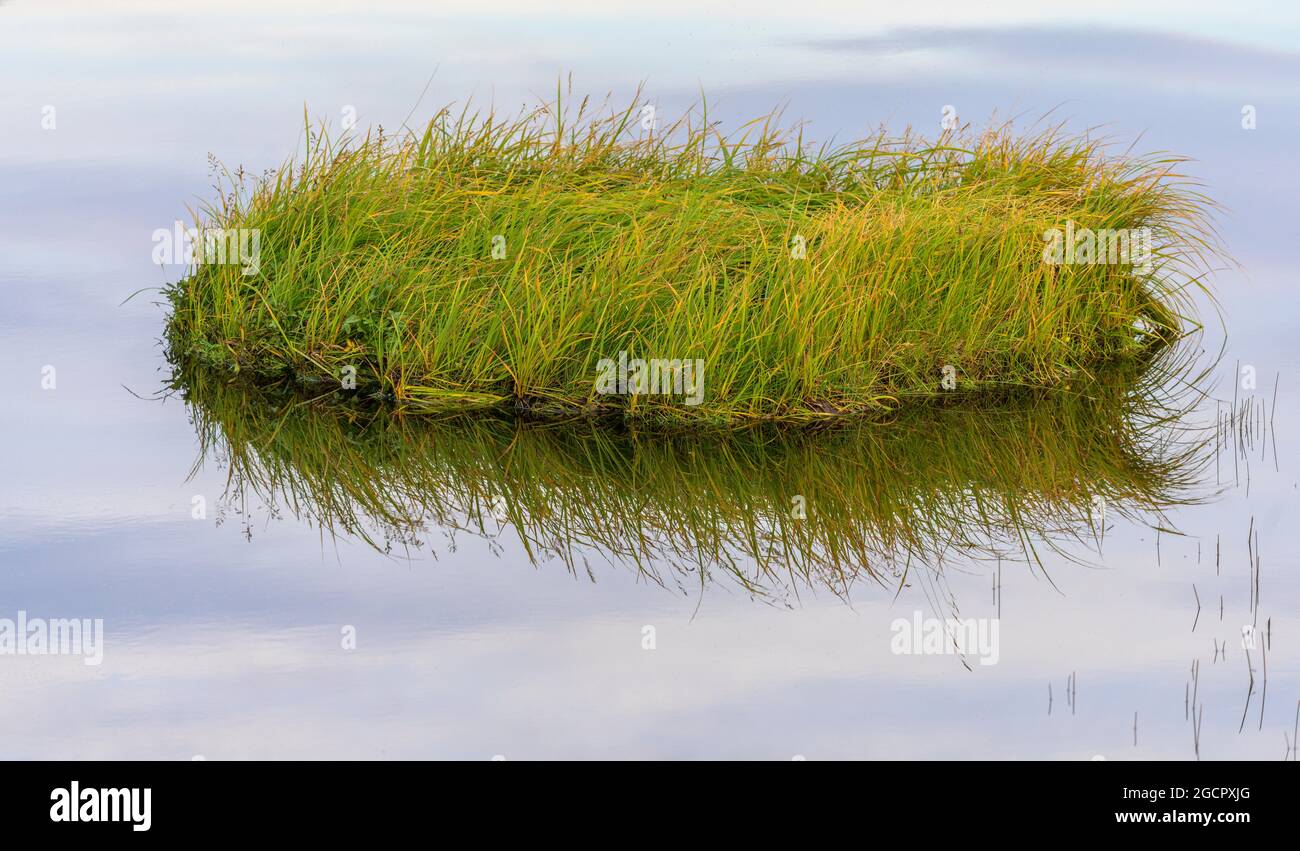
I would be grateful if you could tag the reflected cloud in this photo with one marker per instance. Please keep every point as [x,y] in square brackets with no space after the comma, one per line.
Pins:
[1139,59]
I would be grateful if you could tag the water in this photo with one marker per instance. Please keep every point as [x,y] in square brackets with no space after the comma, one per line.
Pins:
[224,633]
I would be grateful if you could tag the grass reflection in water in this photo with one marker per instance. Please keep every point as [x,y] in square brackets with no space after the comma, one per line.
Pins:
[773,509]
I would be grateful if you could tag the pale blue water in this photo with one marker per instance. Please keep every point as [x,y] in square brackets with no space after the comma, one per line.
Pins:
[230,648]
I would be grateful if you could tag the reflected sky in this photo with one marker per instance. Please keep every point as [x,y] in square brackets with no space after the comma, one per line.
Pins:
[223,637]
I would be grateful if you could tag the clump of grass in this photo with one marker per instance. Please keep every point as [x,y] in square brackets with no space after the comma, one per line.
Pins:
[811,282]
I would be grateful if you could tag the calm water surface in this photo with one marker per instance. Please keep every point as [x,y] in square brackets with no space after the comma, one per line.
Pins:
[524,637]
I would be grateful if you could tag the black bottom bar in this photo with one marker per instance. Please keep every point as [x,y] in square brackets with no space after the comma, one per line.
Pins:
[331,799]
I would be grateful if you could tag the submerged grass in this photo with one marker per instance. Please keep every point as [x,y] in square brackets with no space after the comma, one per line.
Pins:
[810,282]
